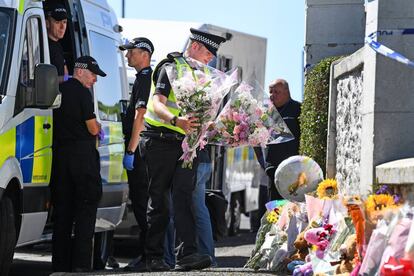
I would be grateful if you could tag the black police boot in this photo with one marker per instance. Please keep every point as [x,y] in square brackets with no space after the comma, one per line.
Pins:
[157,265]
[112,262]
[194,261]
[137,264]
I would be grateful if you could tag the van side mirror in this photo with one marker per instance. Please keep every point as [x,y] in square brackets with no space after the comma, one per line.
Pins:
[46,88]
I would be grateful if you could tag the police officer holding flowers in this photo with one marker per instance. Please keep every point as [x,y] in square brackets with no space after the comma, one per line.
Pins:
[76,186]
[161,147]
[139,52]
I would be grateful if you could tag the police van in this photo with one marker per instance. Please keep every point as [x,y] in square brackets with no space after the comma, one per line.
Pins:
[29,92]
[236,171]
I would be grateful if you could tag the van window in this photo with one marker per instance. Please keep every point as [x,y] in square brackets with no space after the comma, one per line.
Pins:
[32,54]
[5,26]
[108,90]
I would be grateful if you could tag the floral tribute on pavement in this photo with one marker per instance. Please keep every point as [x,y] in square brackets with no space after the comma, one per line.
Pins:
[336,234]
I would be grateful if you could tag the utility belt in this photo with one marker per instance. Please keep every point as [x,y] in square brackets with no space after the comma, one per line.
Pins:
[163,135]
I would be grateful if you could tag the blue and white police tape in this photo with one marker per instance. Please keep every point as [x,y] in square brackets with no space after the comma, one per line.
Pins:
[384,50]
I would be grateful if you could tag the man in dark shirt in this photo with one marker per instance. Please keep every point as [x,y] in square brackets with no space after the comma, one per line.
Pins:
[289,110]
[76,183]
[139,52]
[56,20]
[162,150]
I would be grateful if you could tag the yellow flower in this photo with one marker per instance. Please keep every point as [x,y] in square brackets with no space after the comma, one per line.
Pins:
[327,189]
[273,216]
[379,202]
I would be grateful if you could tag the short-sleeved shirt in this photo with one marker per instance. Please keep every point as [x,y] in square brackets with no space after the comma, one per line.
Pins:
[139,98]
[163,85]
[56,56]
[290,113]
[76,108]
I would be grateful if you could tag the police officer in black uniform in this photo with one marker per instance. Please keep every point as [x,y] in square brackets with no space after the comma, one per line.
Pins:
[139,52]
[76,183]
[290,110]
[56,21]
[161,147]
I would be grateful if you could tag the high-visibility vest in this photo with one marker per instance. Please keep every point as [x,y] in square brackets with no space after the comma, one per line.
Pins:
[151,117]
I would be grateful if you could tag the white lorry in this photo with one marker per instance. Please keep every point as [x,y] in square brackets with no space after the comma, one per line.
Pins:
[235,171]
[29,92]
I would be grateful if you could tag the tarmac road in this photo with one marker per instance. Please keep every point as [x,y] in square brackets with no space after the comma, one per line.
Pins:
[231,252]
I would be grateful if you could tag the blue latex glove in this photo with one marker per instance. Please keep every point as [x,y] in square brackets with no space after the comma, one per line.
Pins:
[101,134]
[128,161]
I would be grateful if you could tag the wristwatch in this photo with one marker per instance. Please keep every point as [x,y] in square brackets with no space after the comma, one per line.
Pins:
[173,121]
[130,152]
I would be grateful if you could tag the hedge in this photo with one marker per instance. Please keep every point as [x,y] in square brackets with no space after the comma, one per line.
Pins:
[314,115]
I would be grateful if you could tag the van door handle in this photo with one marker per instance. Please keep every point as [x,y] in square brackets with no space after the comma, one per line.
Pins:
[46,126]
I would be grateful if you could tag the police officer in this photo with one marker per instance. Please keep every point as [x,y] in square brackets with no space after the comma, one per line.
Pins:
[161,147]
[56,21]
[76,183]
[139,52]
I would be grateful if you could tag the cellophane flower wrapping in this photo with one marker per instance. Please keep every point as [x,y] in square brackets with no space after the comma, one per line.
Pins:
[377,244]
[397,235]
[246,120]
[199,92]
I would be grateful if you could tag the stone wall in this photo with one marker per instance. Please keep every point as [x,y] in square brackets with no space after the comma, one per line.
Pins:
[384,132]
[348,131]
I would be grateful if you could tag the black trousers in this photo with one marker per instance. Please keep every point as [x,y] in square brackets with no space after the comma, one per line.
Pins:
[138,194]
[272,191]
[76,189]
[165,175]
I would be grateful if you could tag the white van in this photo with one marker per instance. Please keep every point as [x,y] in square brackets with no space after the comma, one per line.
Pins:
[29,92]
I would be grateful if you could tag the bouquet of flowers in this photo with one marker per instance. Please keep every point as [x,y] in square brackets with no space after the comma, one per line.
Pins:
[381,204]
[246,121]
[199,90]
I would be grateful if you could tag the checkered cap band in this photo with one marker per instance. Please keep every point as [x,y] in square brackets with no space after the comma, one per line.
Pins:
[59,10]
[81,65]
[144,45]
[205,40]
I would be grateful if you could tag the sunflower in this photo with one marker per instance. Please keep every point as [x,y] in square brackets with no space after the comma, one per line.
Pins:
[273,216]
[327,189]
[379,202]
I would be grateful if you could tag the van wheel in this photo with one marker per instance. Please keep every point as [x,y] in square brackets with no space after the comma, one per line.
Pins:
[233,215]
[7,235]
[102,249]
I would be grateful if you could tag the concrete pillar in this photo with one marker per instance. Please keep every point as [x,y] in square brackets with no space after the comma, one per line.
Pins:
[333,28]
[388,97]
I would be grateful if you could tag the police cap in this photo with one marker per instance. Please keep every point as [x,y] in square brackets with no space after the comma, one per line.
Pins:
[210,41]
[140,43]
[88,62]
[56,11]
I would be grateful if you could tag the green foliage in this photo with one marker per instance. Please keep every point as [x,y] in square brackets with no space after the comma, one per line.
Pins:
[314,115]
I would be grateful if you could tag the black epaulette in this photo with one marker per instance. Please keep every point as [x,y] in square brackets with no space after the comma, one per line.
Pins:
[170,58]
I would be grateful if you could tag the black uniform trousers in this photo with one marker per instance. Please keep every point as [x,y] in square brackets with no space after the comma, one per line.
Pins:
[165,175]
[138,194]
[273,193]
[76,190]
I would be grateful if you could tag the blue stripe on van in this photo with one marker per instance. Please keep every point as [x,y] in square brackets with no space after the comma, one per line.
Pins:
[25,148]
